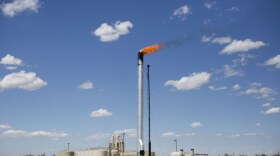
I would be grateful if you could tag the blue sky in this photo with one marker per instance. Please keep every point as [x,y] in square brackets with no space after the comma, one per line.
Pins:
[69,74]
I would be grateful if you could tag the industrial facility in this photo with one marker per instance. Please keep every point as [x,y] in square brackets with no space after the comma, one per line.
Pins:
[115,148]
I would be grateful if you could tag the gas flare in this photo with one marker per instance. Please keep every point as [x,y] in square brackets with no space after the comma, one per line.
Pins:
[151,48]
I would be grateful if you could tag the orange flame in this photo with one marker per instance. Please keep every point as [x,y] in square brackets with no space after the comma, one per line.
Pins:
[151,48]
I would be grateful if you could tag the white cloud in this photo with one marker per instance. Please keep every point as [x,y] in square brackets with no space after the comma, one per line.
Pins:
[258,124]
[255,84]
[127,132]
[11,62]
[207,38]
[196,124]
[100,113]
[18,6]
[86,85]
[221,40]
[242,46]
[242,60]
[168,134]
[236,87]
[250,134]
[272,110]
[229,71]
[109,33]
[195,80]
[219,134]
[266,104]
[235,136]
[5,127]
[263,92]
[22,80]
[273,61]
[234,9]
[99,136]
[181,12]
[190,134]
[217,88]
[209,5]
[21,133]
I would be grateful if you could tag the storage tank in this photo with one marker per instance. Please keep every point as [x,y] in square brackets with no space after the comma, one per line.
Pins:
[181,153]
[66,153]
[92,153]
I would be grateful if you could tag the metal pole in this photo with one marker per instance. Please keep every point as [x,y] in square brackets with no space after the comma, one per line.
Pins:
[68,145]
[140,105]
[175,144]
[149,106]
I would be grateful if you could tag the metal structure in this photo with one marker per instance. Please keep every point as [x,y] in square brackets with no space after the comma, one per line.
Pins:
[140,147]
[175,143]
[149,109]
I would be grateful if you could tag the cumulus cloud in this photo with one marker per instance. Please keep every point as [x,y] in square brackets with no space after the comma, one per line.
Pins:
[229,71]
[5,127]
[86,85]
[168,134]
[11,62]
[21,133]
[260,92]
[22,80]
[195,80]
[109,33]
[274,61]
[18,6]
[266,104]
[221,40]
[196,125]
[217,88]
[242,46]
[181,12]
[100,113]
[236,87]
[272,110]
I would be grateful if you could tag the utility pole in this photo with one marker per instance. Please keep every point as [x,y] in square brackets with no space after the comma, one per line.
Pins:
[175,144]
[149,107]
[68,145]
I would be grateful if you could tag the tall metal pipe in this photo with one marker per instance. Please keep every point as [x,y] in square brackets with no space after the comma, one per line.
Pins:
[149,109]
[140,105]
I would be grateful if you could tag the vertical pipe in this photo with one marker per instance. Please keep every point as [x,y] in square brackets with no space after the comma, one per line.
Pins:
[149,108]
[192,152]
[175,144]
[140,105]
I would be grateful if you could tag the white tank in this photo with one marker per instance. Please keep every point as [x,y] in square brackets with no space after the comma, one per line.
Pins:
[92,153]
[178,153]
[66,153]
